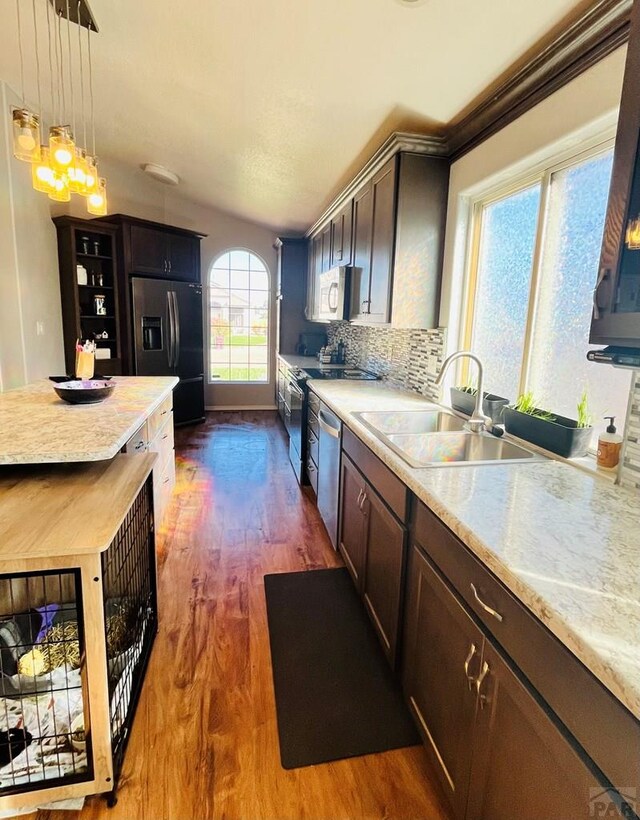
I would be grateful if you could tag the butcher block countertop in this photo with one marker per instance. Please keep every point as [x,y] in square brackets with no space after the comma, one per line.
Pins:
[59,509]
[565,542]
[37,427]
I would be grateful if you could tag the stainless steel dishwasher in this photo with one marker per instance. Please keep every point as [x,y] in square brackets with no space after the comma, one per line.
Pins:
[329,470]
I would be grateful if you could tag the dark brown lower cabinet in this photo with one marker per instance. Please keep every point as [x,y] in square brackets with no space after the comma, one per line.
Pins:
[498,751]
[524,766]
[372,543]
[442,653]
[352,539]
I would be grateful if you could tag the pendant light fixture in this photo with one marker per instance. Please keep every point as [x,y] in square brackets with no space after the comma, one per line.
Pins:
[62,165]
[25,124]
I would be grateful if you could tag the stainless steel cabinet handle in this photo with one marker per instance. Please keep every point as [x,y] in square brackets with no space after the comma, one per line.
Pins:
[139,445]
[470,678]
[362,503]
[328,428]
[486,607]
[360,494]
[480,681]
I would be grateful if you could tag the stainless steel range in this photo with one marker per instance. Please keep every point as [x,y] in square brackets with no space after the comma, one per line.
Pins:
[295,395]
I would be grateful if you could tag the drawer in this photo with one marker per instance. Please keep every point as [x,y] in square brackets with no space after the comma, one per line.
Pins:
[313,446]
[164,479]
[607,731]
[162,444]
[389,487]
[314,402]
[138,441]
[312,423]
[312,473]
[159,416]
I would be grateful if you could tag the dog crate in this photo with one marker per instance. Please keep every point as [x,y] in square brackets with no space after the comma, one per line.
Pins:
[75,640]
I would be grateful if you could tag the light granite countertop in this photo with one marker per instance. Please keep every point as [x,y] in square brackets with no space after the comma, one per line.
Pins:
[565,542]
[37,427]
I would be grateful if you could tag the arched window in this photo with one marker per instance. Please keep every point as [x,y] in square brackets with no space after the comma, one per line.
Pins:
[239,318]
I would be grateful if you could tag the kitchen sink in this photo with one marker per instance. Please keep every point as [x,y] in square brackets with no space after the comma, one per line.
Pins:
[436,420]
[436,438]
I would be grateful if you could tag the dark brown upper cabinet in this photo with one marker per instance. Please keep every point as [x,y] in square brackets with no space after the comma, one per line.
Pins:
[391,231]
[341,231]
[153,249]
[616,309]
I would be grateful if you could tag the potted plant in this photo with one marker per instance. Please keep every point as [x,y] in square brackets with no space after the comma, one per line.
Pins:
[463,399]
[566,437]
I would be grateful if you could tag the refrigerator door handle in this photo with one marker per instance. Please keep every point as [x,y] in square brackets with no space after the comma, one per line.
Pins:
[170,341]
[176,324]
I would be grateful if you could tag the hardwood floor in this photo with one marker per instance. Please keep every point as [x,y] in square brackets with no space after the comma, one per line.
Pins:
[204,743]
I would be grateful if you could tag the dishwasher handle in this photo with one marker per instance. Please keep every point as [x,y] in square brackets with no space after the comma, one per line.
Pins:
[327,427]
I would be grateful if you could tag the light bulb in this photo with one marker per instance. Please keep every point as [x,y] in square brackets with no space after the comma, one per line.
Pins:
[42,175]
[61,147]
[26,135]
[60,187]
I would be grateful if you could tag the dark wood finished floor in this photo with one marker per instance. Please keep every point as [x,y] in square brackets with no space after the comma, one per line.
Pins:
[204,743]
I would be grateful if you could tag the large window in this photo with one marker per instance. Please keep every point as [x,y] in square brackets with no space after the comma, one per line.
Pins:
[239,318]
[534,267]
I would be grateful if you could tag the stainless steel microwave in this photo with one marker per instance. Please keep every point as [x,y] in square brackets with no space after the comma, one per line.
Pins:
[334,294]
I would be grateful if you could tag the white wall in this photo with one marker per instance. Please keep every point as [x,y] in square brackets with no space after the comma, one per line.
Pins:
[29,289]
[578,112]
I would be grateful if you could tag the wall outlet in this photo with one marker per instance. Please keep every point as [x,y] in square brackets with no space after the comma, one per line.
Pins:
[39,328]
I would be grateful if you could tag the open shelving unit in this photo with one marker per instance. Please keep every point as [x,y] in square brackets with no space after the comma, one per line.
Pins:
[91,244]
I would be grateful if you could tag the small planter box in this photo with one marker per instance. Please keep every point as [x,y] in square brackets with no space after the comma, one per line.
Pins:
[492,406]
[562,436]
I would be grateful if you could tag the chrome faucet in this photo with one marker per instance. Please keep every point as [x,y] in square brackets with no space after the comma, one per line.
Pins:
[478,421]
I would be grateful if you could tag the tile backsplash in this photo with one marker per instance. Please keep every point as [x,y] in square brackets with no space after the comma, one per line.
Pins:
[405,358]
[630,469]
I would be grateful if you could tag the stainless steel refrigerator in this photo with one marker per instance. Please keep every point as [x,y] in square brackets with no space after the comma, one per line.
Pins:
[168,340]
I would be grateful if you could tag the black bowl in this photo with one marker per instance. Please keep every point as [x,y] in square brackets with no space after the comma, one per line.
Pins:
[86,391]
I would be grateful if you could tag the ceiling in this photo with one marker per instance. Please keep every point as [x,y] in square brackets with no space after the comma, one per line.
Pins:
[264,108]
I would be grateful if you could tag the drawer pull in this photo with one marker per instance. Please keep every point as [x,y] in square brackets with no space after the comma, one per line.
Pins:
[166,481]
[479,682]
[359,501]
[139,445]
[166,435]
[470,678]
[164,412]
[486,607]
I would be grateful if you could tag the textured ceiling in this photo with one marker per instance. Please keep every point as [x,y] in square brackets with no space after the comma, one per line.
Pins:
[263,108]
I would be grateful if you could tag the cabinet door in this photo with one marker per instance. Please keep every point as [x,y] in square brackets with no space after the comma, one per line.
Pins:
[341,228]
[315,269]
[384,565]
[523,765]
[382,243]
[183,258]
[442,654]
[149,251]
[326,248]
[360,273]
[352,541]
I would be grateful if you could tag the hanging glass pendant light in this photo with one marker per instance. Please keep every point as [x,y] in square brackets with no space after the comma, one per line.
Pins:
[26,135]
[77,172]
[61,147]
[60,187]
[42,175]
[97,201]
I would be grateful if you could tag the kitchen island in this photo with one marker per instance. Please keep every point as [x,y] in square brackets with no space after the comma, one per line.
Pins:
[78,608]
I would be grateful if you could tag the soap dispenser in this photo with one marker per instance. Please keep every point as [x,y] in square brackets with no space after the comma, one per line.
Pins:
[609,445]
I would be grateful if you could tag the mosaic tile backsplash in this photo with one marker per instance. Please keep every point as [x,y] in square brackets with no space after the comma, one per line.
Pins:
[405,358]
[630,469]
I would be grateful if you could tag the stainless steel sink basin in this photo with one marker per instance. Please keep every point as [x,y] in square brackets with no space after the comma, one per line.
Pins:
[411,421]
[436,438]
